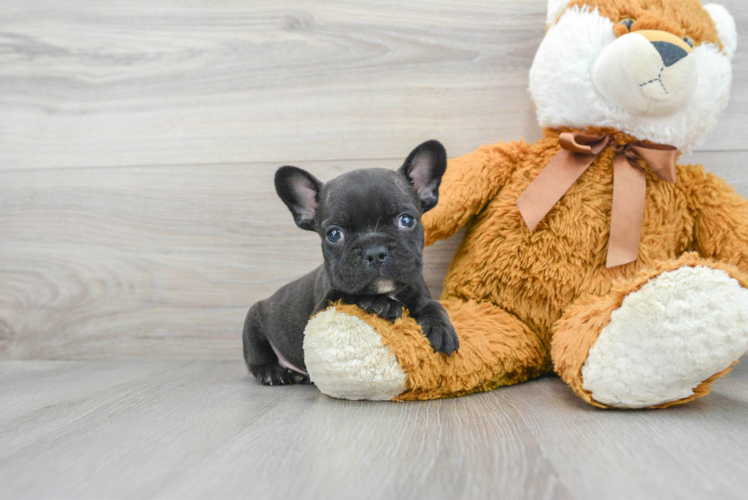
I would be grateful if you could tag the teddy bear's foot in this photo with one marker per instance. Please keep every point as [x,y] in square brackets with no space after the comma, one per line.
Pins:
[662,343]
[677,331]
[347,359]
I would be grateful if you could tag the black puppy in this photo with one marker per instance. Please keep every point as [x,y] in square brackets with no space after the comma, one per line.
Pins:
[372,242]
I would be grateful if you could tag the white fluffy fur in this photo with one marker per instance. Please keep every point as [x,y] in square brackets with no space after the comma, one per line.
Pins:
[346,359]
[678,330]
[561,85]
[728,32]
[555,9]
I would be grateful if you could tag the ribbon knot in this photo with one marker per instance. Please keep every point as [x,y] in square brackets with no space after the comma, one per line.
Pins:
[578,152]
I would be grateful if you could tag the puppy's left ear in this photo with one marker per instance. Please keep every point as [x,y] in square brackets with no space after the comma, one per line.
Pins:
[299,190]
[424,168]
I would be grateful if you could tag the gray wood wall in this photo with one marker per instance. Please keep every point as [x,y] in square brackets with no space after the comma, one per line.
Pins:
[138,142]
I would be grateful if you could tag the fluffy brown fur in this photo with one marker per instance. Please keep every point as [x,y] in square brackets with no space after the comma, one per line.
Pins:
[536,276]
[681,18]
[496,350]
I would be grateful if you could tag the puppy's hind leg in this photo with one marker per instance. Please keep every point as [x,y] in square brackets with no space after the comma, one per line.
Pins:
[259,355]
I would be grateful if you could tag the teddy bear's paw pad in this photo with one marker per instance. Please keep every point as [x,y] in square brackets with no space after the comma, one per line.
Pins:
[346,359]
[677,331]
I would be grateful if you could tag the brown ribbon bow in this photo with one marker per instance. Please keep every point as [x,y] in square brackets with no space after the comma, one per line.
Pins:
[578,151]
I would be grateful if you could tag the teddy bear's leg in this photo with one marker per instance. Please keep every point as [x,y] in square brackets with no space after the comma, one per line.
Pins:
[496,349]
[656,340]
[354,355]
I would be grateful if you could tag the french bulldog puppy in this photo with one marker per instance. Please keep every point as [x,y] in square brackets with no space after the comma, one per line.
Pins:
[372,243]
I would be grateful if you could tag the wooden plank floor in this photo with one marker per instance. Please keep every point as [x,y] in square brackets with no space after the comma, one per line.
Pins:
[205,429]
[138,222]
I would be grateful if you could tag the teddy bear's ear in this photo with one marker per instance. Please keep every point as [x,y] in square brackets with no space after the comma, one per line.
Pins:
[555,9]
[728,33]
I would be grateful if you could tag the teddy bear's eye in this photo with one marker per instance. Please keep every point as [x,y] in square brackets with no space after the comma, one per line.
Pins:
[628,22]
[688,40]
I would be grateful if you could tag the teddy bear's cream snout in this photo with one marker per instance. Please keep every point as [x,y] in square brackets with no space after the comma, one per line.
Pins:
[647,73]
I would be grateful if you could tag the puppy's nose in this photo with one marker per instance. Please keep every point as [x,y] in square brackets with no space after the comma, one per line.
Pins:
[376,255]
[670,53]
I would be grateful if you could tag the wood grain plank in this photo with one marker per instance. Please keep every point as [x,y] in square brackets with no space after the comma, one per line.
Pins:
[101,263]
[208,429]
[691,451]
[116,250]
[459,448]
[205,429]
[137,431]
[117,84]
[61,382]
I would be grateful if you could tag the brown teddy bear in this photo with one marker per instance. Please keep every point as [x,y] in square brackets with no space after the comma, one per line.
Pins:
[589,253]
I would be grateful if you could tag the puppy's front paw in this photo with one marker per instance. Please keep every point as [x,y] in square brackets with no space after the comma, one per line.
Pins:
[381,305]
[436,326]
[277,375]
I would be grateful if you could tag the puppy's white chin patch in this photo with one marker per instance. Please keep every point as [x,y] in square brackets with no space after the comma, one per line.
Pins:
[384,286]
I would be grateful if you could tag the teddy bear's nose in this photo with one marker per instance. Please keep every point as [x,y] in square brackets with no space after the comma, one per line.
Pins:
[670,53]
[671,48]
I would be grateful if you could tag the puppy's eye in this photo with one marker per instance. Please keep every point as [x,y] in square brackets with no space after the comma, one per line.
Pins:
[688,40]
[406,221]
[334,235]
[628,22]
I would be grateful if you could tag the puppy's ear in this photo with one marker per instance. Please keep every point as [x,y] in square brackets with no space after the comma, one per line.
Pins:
[299,190]
[424,169]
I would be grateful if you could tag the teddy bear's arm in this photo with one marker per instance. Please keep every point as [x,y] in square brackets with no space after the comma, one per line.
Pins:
[469,183]
[720,219]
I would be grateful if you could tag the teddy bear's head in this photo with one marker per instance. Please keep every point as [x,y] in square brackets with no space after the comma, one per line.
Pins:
[658,70]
